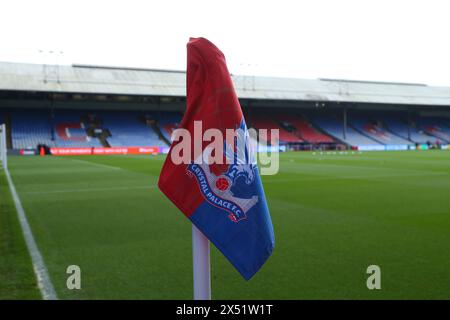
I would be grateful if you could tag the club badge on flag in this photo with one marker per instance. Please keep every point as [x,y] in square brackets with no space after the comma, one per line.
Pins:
[225,200]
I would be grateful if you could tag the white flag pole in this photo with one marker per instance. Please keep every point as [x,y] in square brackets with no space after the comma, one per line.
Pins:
[202,270]
[3,146]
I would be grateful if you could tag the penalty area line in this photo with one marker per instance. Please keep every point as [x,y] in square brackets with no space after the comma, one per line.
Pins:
[43,279]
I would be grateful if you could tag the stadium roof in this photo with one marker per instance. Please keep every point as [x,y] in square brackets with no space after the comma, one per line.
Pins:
[151,82]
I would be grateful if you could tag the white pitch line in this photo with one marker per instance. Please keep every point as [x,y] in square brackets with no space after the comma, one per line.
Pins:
[90,189]
[313,179]
[97,164]
[45,284]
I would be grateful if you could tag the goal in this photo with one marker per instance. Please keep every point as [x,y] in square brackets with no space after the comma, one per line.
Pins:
[3,158]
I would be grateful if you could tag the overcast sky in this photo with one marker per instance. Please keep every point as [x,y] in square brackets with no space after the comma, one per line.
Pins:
[405,41]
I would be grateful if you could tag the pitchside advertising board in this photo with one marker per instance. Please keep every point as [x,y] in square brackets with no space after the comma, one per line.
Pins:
[121,150]
[99,151]
[165,150]
[103,151]
[385,147]
[27,152]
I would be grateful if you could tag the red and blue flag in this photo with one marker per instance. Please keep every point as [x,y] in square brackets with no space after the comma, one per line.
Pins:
[226,200]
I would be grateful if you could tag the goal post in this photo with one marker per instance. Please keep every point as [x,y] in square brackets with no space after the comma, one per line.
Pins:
[3,154]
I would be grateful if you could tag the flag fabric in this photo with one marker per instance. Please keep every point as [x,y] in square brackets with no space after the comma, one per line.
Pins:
[226,202]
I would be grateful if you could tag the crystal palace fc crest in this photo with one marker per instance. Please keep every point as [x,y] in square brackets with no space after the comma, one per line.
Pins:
[227,191]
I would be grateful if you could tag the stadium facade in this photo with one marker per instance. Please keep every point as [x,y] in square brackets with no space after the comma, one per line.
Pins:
[83,106]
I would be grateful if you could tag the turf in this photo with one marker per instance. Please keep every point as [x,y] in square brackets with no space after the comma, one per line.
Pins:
[333,215]
[17,280]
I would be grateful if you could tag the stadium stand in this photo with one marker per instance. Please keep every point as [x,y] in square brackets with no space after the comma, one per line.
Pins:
[30,128]
[94,106]
[397,123]
[433,127]
[266,122]
[374,128]
[70,131]
[308,112]
[167,122]
[68,128]
[303,129]
[127,130]
[81,128]
[333,126]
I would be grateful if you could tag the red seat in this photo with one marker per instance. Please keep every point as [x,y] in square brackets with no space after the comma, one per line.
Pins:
[266,123]
[306,130]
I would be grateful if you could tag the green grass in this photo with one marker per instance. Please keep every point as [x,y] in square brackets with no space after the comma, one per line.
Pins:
[17,280]
[333,215]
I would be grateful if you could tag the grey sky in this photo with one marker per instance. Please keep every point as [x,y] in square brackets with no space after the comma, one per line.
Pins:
[379,40]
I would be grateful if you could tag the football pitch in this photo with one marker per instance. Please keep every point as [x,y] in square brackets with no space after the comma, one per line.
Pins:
[333,215]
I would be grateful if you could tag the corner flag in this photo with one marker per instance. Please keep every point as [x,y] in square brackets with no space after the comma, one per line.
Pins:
[225,201]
